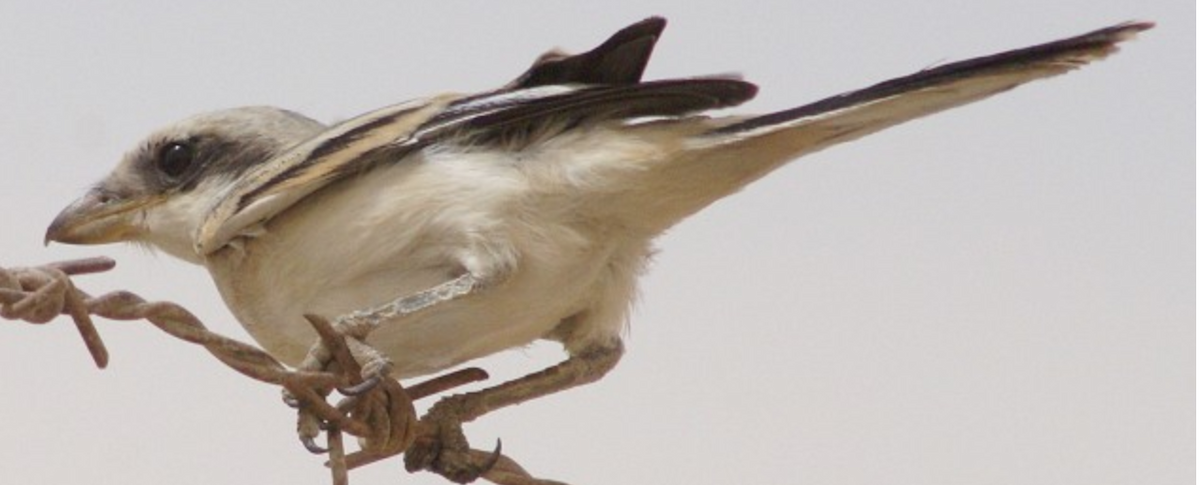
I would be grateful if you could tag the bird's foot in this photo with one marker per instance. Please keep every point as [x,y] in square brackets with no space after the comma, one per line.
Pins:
[363,368]
[442,448]
[343,346]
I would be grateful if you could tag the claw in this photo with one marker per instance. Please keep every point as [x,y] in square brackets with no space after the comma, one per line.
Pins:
[311,445]
[492,460]
[361,388]
[291,401]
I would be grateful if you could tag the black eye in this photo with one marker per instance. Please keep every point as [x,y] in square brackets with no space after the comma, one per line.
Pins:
[175,158]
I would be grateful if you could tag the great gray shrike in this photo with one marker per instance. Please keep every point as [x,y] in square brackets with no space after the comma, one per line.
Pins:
[461,225]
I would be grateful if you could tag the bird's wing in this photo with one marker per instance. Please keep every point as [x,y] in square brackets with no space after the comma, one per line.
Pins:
[390,134]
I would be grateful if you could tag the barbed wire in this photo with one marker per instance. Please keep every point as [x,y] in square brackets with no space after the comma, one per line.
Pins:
[380,414]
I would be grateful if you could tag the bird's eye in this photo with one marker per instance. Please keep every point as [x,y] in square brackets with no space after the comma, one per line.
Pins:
[175,158]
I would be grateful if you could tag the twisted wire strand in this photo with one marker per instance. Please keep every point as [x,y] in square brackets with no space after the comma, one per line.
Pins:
[382,417]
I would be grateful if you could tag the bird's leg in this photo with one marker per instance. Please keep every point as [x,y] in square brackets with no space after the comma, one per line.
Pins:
[442,448]
[356,325]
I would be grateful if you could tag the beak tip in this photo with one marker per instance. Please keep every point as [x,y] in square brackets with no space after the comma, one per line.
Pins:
[51,234]
[59,229]
[65,228]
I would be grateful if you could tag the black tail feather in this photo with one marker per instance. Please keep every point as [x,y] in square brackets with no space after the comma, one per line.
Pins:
[1075,50]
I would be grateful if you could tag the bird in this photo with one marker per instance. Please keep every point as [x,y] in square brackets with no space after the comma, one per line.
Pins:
[456,226]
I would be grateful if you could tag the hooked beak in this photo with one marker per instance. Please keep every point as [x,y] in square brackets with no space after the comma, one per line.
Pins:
[98,218]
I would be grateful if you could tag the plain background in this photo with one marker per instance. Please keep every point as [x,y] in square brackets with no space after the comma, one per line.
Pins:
[1000,294]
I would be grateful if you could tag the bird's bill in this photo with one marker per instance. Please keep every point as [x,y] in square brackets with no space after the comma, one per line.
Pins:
[98,218]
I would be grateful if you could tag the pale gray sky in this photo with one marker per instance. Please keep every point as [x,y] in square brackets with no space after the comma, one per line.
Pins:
[1000,294]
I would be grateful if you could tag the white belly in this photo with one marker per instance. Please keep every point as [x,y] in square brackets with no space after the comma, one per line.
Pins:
[513,314]
[402,232]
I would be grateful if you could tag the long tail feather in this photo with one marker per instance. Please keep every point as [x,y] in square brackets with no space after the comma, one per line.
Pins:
[727,157]
[953,84]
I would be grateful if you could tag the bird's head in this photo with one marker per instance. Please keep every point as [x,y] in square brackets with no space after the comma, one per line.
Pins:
[162,189]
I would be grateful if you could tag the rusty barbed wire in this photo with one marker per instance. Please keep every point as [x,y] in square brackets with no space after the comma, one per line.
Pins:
[380,414]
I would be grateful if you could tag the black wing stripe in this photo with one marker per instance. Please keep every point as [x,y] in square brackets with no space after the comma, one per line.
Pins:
[338,143]
[484,120]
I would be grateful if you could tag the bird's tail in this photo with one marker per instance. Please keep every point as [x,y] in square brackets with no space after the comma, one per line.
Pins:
[724,159]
